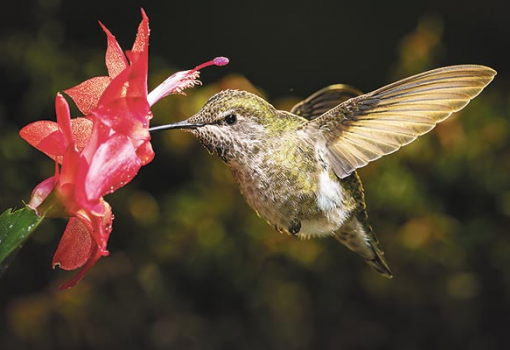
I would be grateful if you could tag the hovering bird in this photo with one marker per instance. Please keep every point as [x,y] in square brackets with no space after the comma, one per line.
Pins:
[297,169]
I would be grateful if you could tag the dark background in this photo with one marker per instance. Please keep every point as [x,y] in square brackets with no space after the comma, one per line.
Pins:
[191,266]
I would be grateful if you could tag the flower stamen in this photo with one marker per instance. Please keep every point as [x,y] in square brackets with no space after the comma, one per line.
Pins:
[178,82]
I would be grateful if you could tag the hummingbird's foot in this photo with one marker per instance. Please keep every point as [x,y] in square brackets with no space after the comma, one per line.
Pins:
[279,229]
[295,227]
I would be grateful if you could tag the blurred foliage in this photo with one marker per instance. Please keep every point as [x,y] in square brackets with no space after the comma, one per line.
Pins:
[192,267]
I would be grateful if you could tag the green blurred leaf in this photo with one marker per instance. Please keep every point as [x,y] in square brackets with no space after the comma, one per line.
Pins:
[15,228]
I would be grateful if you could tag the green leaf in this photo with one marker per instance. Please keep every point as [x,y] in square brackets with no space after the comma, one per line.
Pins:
[15,228]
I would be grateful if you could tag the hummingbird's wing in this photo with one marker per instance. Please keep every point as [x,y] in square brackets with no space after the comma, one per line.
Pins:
[323,100]
[372,125]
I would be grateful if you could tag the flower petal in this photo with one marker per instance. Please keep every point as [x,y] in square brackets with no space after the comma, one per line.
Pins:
[83,243]
[81,129]
[114,164]
[95,254]
[142,36]
[75,246]
[128,116]
[116,61]
[124,107]
[46,136]
[87,94]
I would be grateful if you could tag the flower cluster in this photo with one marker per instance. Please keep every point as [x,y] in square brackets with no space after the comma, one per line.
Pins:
[99,153]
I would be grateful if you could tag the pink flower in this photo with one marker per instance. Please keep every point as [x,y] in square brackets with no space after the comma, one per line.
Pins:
[101,152]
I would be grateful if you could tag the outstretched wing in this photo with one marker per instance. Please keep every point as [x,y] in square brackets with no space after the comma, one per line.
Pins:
[323,100]
[372,125]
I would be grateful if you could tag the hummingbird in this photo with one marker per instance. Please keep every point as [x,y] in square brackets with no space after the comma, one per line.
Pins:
[297,168]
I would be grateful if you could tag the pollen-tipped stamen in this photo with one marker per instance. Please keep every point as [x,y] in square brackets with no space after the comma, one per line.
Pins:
[180,81]
[218,61]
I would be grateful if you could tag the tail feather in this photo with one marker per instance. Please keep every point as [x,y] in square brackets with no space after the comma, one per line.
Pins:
[357,234]
[379,264]
[362,244]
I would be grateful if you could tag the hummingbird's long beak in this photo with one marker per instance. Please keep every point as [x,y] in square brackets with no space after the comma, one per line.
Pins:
[179,125]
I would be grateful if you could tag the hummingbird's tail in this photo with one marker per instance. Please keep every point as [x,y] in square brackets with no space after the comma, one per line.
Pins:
[365,243]
[379,264]
[357,234]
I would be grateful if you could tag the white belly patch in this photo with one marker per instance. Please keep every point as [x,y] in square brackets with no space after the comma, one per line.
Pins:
[330,202]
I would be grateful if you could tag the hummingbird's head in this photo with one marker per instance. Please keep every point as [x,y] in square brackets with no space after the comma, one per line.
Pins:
[232,124]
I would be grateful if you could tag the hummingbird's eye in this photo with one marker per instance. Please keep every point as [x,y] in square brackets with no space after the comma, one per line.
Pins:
[230,119]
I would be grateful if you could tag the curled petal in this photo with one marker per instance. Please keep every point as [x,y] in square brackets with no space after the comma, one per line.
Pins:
[41,192]
[64,118]
[102,226]
[95,254]
[145,153]
[68,172]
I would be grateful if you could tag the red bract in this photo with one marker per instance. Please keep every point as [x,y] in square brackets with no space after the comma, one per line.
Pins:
[100,152]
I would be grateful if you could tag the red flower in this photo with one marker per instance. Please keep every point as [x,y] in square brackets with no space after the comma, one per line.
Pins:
[100,152]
